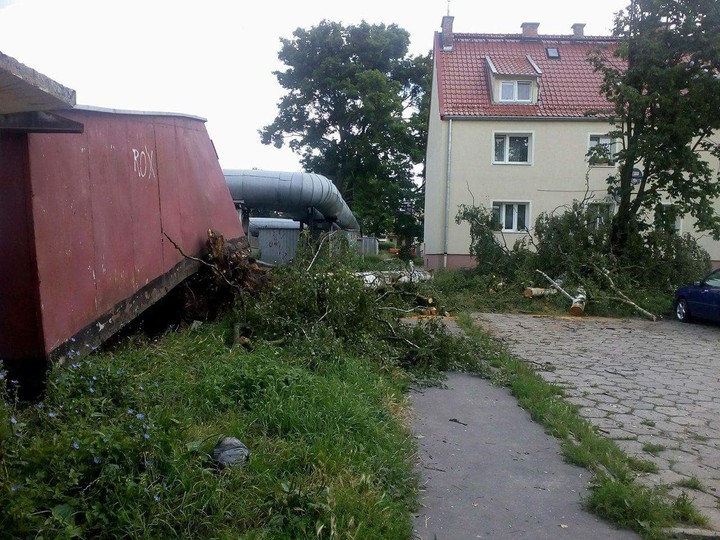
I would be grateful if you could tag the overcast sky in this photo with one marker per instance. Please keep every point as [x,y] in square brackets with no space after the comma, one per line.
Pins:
[215,59]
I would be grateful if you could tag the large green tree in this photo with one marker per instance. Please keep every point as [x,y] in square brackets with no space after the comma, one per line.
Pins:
[664,87]
[356,111]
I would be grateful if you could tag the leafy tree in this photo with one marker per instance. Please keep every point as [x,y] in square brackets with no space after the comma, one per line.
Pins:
[356,111]
[664,88]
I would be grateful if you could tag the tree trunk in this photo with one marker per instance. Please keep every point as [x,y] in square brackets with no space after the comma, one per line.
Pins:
[534,292]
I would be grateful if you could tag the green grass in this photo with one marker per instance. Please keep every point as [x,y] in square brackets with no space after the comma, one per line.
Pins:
[120,446]
[691,483]
[615,493]
[652,448]
[650,423]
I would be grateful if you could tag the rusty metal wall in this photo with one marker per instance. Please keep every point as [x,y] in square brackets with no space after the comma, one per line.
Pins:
[102,201]
[19,303]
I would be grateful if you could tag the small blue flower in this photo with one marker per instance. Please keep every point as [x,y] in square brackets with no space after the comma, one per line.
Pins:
[94,378]
[2,375]
[14,382]
[92,390]
[156,384]
[119,372]
[52,414]
[140,416]
[39,405]
[13,420]
[146,435]
[148,462]
[130,411]
[142,389]
[15,487]
[96,460]
[76,445]
[156,497]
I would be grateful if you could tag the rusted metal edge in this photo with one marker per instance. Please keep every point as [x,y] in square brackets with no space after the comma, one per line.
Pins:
[92,108]
[38,122]
[92,336]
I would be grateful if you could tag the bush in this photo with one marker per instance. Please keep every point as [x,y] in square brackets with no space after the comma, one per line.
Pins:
[574,246]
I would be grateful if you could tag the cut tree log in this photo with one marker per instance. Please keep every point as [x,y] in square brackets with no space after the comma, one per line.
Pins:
[535,292]
[578,306]
[578,302]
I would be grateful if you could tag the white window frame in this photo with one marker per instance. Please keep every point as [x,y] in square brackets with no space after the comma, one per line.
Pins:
[613,145]
[507,134]
[515,98]
[599,217]
[503,204]
[677,226]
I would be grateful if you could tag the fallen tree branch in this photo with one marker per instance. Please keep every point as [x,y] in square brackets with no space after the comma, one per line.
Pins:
[578,302]
[556,285]
[394,334]
[622,297]
[322,241]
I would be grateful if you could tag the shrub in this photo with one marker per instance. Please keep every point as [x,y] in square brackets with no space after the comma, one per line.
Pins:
[573,244]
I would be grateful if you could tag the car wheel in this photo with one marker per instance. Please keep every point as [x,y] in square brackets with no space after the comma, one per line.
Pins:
[682,313]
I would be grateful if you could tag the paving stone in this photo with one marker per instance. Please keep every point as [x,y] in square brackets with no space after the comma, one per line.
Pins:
[661,372]
[653,416]
[591,412]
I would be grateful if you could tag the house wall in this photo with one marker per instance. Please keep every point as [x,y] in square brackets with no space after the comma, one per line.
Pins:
[555,177]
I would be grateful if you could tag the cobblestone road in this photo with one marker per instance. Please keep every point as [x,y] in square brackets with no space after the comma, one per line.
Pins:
[641,383]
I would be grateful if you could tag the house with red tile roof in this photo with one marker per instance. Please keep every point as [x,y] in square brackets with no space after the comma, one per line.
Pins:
[512,119]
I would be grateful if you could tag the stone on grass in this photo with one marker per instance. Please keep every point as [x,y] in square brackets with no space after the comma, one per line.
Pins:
[230,452]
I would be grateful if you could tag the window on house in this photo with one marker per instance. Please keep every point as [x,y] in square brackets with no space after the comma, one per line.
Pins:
[601,150]
[668,218]
[516,91]
[512,148]
[553,52]
[510,216]
[599,215]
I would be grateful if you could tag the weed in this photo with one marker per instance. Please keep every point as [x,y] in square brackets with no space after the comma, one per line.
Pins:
[691,483]
[650,423]
[641,465]
[652,448]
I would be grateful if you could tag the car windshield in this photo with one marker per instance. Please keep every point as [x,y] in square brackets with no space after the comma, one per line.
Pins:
[713,280]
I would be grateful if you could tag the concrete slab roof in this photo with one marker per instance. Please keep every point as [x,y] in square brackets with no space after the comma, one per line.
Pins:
[22,89]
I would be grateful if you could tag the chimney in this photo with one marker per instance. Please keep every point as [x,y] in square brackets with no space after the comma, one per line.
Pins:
[578,30]
[530,29]
[447,33]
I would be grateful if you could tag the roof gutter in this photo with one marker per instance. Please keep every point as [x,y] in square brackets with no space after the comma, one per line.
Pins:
[291,192]
[605,119]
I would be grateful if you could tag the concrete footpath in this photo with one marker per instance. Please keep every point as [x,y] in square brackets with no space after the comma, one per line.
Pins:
[489,471]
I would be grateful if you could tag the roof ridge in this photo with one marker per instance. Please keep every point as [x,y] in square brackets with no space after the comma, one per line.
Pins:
[541,37]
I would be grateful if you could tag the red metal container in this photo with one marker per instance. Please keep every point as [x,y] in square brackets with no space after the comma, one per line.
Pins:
[83,225]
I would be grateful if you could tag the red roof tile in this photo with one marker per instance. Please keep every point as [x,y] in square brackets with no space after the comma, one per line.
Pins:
[510,65]
[569,86]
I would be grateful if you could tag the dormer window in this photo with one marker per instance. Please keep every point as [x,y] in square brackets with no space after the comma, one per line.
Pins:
[516,91]
[513,79]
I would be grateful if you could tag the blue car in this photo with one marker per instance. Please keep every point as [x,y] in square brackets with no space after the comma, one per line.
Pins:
[700,300]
